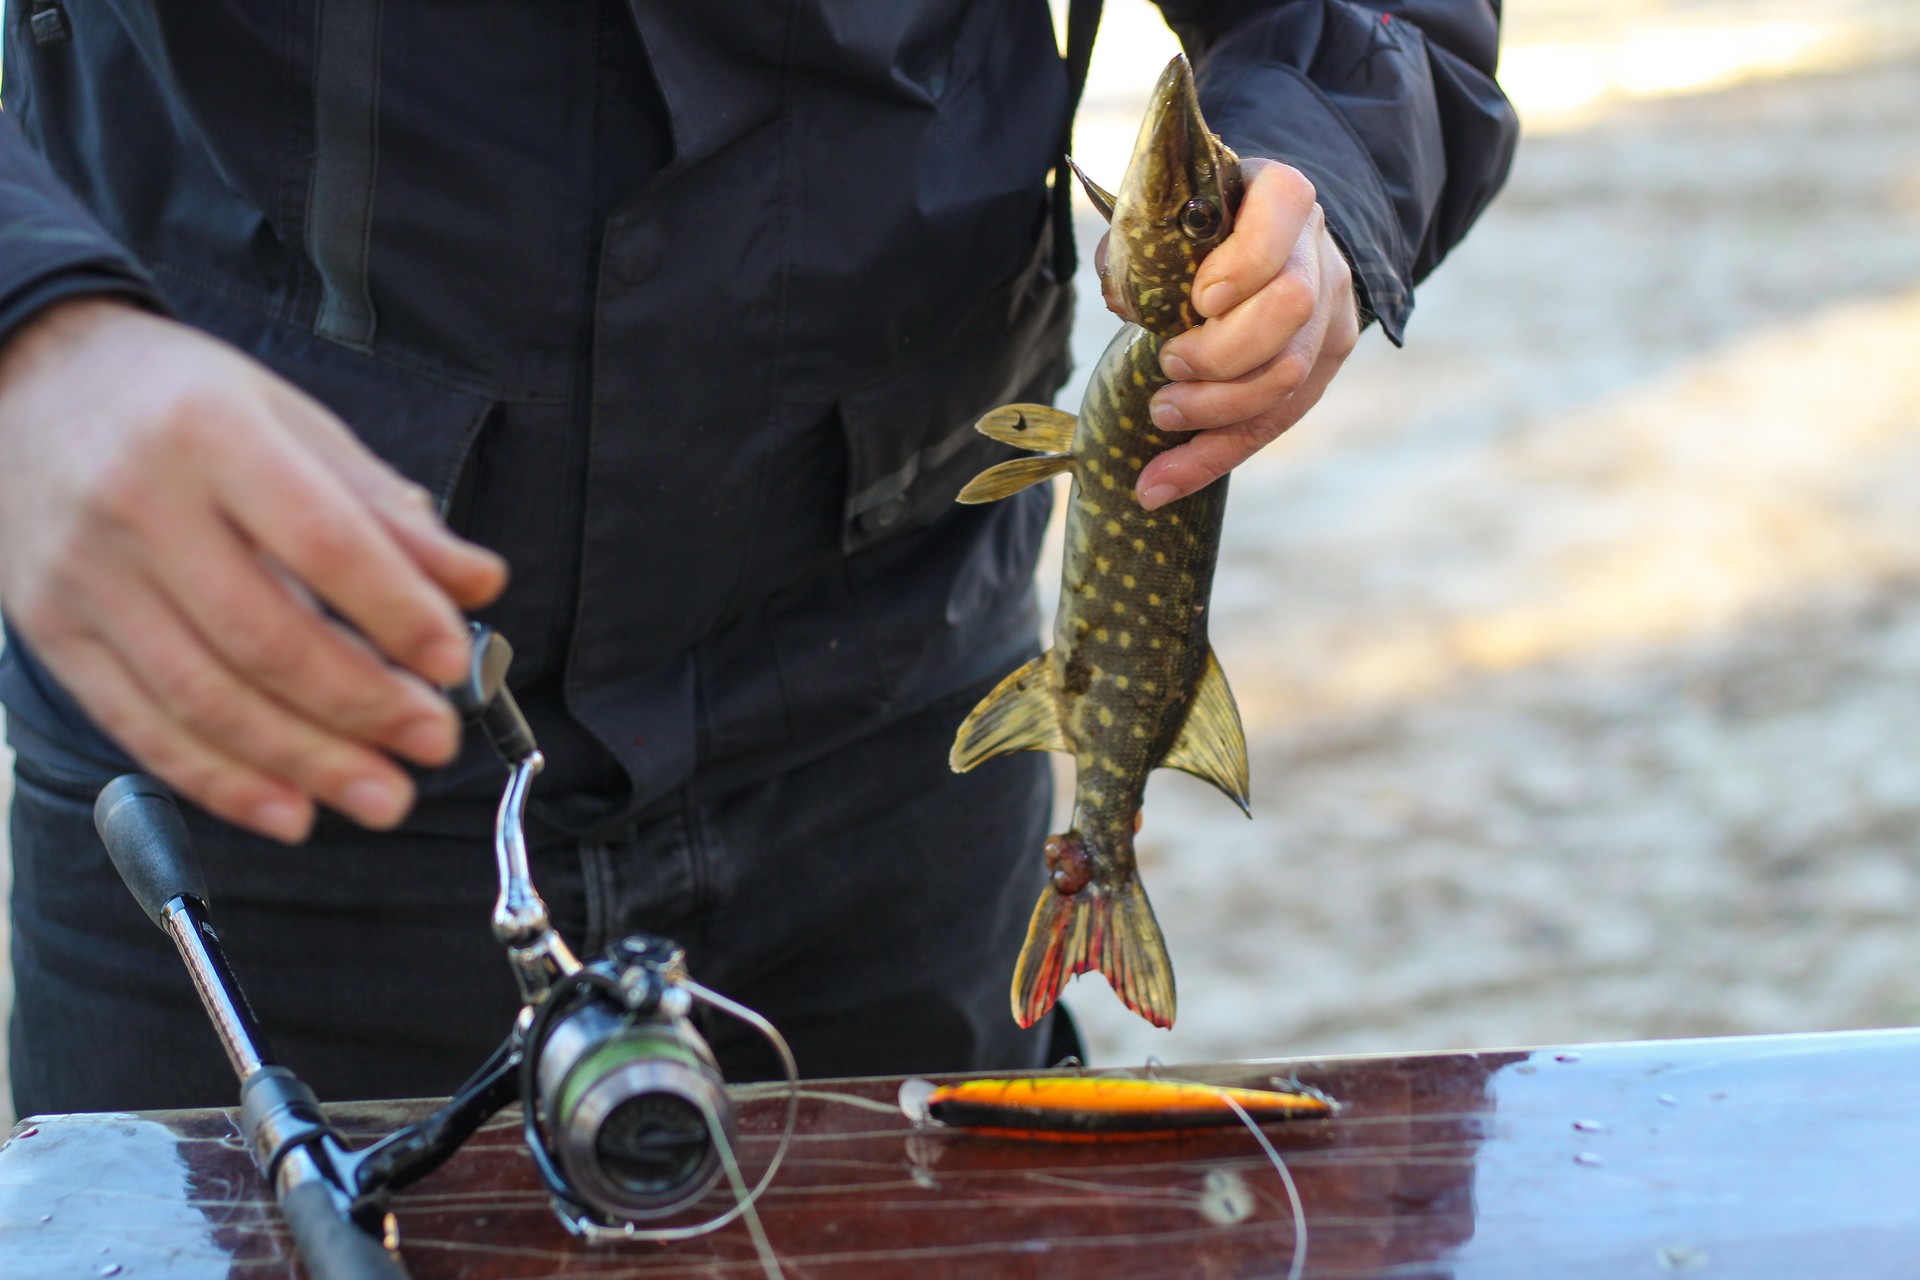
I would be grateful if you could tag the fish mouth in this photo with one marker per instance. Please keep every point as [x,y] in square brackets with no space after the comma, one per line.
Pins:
[1175,202]
[1172,143]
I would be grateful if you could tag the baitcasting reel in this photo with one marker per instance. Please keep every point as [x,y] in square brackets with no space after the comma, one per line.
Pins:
[626,1114]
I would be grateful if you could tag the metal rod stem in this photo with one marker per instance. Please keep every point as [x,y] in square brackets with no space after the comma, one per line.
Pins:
[219,990]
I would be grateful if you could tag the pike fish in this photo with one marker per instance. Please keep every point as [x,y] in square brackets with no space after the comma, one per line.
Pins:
[1131,683]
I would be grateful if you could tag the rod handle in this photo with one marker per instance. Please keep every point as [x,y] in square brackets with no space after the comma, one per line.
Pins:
[147,839]
[330,1245]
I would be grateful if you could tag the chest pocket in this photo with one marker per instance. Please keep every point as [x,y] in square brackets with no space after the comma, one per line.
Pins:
[910,438]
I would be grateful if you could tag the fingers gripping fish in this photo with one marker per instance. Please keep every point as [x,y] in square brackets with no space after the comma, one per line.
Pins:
[1131,683]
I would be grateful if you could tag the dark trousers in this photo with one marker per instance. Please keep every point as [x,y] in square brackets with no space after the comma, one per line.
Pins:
[870,903]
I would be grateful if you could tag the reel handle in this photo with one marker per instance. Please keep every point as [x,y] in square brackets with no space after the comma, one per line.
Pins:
[148,842]
[484,699]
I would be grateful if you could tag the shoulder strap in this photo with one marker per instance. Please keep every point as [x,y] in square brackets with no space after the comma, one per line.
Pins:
[1083,22]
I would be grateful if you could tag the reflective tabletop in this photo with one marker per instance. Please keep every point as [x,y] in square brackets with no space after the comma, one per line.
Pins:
[1788,1156]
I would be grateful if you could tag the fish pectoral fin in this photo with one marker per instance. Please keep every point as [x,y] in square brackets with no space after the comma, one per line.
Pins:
[1008,478]
[1039,427]
[1212,745]
[1101,197]
[1023,713]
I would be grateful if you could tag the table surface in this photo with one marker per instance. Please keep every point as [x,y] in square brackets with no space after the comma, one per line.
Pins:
[1768,1156]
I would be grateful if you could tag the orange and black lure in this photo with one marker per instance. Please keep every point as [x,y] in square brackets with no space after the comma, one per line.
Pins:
[1111,1109]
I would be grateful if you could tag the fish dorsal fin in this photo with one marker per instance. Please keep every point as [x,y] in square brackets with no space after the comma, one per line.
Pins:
[1101,197]
[1023,713]
[1008,478]
[1212,745]
[1041,428]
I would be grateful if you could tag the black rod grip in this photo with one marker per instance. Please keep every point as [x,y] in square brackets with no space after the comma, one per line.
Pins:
[148,842]
[332,1247]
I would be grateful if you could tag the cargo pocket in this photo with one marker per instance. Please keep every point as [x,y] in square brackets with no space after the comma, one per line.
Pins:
[910,438]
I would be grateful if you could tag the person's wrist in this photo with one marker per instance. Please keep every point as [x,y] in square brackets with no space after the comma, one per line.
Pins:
[57,324]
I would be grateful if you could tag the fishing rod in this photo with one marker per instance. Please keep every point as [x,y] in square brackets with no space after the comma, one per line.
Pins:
[624,1109]
[298,1152]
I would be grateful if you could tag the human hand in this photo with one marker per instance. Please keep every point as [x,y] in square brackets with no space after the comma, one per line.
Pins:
[173,517]
[1277,297]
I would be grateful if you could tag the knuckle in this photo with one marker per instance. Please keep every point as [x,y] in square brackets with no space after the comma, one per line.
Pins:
[272,650]
[1293,300]
[187,418]
[1343,338]
[204,704]
[313,540]
[1289,373]
[1297,186]
[122,496]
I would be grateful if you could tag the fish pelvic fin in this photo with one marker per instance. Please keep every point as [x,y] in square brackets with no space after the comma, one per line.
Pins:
[1023,713]
[1038,427]
[1008,478]
[1112,931]
[1212,744]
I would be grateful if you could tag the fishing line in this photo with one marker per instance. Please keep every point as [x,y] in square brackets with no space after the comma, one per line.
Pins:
[769,1260]
[744,1199]
[1298,1267]
[1299,1264]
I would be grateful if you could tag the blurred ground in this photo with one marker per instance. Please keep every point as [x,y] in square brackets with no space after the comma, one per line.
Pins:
[1579,642]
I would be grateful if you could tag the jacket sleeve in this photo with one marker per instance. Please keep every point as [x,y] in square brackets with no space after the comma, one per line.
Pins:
[1390,109]
[50,246]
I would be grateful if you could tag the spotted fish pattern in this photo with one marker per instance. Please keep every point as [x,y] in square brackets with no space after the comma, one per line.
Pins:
[1131,683]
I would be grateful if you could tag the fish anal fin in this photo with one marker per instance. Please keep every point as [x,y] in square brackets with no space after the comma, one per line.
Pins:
[1212,745]
[1008,478]
[1021,714]
[1112,931]
[1039,427]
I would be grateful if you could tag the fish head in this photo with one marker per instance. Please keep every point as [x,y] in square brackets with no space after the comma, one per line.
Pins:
[1176,202]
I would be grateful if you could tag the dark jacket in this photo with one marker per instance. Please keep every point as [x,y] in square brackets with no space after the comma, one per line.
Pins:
[685,308]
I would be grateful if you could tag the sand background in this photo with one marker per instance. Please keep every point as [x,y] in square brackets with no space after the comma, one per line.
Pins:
[1578,643]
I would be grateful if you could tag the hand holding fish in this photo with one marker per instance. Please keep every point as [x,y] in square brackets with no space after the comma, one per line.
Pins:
[1277,297]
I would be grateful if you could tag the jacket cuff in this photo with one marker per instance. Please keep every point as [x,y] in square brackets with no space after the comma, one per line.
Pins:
[1276,113]
[80,281]
[51,247]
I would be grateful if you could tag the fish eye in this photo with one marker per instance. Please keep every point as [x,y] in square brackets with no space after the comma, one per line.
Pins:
[1199,219]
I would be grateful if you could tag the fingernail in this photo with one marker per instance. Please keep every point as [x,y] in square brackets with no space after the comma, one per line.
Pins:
[1215,298]
[285,820]
[428,740]
[1167,417]
[1158,496]
[376,801]
[1176,368]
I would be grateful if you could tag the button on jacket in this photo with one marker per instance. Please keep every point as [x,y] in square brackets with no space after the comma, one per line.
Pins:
[687,309]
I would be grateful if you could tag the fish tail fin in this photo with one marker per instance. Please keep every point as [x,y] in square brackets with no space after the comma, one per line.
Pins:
[1112,931]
